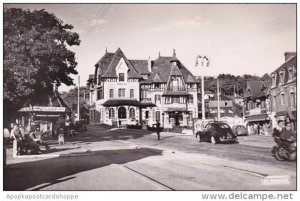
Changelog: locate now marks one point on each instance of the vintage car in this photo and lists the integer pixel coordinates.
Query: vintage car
(239, 130)
(216, 132)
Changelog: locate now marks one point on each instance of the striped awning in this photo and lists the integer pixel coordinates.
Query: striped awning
(260, 117)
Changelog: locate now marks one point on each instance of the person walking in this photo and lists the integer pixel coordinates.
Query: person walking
(158, 130)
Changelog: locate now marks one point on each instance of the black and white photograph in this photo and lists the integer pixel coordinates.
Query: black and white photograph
(150, 97)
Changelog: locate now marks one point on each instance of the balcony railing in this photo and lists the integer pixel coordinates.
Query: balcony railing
(177, 88)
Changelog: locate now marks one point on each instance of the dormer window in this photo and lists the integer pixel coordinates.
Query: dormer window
(281, 77)
(291, 73)
(121, 77)
(274, 79)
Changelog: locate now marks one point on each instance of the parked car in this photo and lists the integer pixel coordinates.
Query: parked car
(239, 130)
(216, 132)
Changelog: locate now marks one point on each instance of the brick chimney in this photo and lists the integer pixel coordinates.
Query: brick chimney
(289, 55)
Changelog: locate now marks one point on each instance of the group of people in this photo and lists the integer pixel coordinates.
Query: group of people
(260, 129)
(26, 141)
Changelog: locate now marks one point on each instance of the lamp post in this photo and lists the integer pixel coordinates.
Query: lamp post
(78, 105)
(204, 61)
(218, 98)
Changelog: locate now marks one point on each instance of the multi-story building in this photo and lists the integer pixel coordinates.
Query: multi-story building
(132, 91)
(283, 90)
(226, 106)
(257, 106)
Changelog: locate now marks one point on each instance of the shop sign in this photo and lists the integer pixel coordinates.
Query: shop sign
(48, 109)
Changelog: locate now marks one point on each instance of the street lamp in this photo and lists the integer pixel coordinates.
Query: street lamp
(218, 96)
(204, 61)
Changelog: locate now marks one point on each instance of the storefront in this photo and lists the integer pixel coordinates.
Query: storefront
(45, 118)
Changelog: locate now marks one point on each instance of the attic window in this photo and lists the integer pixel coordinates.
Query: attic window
(121, 77)
(281, 77)
(273, 79)
(291, 73)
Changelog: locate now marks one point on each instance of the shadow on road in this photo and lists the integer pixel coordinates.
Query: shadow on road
(22, 176)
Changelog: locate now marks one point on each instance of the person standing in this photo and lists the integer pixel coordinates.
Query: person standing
(17, 137)
(158, 130)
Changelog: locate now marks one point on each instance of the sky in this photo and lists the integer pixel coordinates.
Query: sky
(237, 38)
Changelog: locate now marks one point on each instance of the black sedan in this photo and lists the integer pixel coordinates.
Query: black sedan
(216, 132)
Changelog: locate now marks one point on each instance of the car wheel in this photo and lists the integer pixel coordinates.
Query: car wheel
(198, 138)
(213, 140)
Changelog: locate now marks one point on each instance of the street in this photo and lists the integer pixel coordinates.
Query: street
(114, 159)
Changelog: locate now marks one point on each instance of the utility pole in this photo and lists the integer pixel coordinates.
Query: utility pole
(202, 60)
(218, 97)
(78, 105)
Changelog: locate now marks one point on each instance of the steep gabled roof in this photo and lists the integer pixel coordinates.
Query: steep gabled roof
(103, 63)
(157, 78)
(140, 65)
(161, 68)
(175, 71)
(257, 88)
(108, 63)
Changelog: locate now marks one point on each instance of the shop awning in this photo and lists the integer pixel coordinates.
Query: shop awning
(253, 118)
(176, 109)
(42, 109)
(121, 102)
(147, 104)
(292, 115)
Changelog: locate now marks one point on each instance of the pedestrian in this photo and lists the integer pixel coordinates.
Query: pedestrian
(158, 130)
(17, 137)
(255, 128)
(120, 123)
(61, 136)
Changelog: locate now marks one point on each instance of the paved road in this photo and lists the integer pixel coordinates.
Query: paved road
(135, 160)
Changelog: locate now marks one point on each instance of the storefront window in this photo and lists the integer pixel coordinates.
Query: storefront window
(132, 113)
(111, 113)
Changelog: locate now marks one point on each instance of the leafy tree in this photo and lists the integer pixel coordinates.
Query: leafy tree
(229, 83)
(71, 98)
(36, 56)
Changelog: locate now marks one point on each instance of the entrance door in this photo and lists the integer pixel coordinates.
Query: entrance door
(122, 113)
(176, 117)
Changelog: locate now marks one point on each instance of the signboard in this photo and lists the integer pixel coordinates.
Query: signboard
(255, 111)
(43, 109)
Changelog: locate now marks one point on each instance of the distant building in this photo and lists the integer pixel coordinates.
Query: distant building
(239, 100)
(283, 90)
(226, 106)
(132, 91)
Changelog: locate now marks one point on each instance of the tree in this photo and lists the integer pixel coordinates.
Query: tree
(36, 56)
(70, 98)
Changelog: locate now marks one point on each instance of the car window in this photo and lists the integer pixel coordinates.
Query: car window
(207, 126)
(222, 126)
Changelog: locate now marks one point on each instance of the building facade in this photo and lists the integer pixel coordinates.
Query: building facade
(257, 107)
(284, 90)
(134, 91)
(226, 106)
